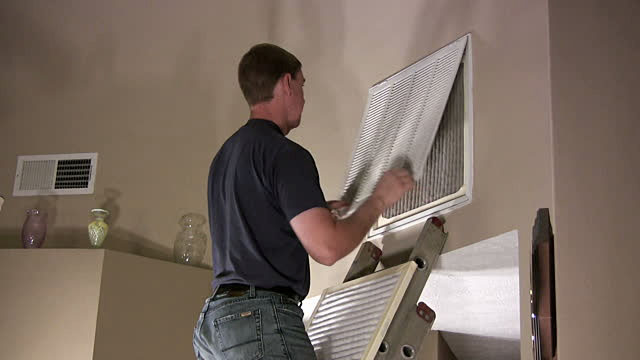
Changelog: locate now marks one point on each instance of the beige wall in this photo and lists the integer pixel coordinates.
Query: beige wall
(151, 87)
(595, 77)
(49, 303)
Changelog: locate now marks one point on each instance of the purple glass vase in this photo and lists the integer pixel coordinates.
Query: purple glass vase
(34, 229)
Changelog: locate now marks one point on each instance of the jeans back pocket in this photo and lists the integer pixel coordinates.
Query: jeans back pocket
(240, 335)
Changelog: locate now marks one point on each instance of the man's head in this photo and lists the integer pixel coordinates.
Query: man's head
(261, 68)
(267, 71)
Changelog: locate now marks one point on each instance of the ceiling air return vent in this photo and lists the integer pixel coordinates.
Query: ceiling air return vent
(419, 118)
(61, 174)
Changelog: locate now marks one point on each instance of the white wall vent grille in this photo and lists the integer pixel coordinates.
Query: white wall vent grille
(351, 319)
(419, 118)
(61, 174)
(443, 173)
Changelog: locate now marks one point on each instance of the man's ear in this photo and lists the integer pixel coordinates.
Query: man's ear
(286, 83)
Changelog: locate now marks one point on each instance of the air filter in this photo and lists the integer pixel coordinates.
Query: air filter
(351, 319)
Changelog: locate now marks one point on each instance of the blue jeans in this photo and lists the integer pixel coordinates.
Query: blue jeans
(259, 325)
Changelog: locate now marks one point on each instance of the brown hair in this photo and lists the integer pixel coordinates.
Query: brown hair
(261, 68)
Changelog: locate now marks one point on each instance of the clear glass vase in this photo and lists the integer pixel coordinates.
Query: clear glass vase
(98, 229)
(34, 230)
(191, 241)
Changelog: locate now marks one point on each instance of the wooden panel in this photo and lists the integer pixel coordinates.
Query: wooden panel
(148, 308)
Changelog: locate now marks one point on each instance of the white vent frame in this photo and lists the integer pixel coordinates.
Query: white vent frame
(464, 195)
(50, 189)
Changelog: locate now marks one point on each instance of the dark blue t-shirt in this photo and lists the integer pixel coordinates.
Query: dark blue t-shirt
(258, 182)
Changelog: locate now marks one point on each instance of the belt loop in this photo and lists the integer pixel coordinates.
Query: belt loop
(252, 291)
(215, 290)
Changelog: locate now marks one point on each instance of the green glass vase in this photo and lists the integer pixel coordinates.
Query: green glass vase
(98, 229)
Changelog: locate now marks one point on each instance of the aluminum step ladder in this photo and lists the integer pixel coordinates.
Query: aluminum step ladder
(376, 315)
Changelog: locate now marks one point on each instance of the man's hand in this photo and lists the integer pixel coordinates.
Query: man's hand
(337, 207)
(328, 239)
(392, 186)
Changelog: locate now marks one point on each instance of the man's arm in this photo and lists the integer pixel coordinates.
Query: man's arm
(328, 240)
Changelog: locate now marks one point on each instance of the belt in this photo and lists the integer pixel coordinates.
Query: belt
(235, 290)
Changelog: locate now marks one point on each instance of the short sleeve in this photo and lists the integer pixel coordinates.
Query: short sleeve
(297, 182)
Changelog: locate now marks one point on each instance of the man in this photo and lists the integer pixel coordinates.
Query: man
(268, 215)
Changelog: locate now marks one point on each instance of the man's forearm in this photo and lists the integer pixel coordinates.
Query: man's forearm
(328, 240)
(351, 230)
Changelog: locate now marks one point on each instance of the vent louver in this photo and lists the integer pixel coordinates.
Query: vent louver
(418, 118)
(61, 174)
(73, 174)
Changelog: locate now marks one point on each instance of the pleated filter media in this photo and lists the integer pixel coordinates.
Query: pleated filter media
(350, 320)
(414, 119)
